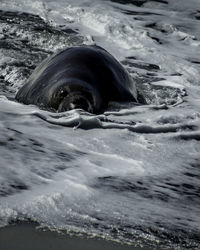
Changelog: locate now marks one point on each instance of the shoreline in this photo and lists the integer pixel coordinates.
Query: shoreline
(25, 236)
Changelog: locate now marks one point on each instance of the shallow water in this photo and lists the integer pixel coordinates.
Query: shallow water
(131, 174)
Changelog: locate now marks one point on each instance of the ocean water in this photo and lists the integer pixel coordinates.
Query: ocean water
(131, 174)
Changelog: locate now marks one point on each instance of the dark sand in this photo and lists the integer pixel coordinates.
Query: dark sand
(25, 236)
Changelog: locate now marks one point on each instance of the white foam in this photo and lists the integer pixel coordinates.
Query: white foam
(71, 169)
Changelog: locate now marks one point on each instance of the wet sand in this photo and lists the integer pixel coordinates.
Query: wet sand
(25, 236)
